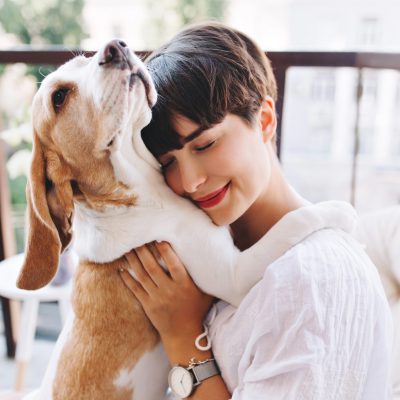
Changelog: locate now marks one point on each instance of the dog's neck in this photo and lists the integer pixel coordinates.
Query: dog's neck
(104, 235)
(136, 167)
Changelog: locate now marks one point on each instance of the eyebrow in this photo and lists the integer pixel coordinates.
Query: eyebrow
(196, 133)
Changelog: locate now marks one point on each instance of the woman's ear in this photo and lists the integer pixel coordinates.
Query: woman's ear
(268, 120)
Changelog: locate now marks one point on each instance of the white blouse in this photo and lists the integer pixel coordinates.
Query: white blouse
(317, 326)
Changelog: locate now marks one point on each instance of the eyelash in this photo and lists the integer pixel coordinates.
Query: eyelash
(208, 145)
(165, 166)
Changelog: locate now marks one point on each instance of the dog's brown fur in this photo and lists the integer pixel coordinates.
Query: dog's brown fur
(63, 170)
(97, 327)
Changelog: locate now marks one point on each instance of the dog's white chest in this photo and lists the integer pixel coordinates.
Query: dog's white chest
(148, 377)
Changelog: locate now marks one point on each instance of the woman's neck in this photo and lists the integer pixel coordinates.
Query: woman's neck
(276, 201)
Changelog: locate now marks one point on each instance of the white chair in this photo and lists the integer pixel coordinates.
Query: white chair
(9, 270)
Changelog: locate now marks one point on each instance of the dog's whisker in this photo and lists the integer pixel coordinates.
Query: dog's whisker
(107, 94)
(114, 88)
(75, 52)
(110, 105)
(43, 74)
(71, 50)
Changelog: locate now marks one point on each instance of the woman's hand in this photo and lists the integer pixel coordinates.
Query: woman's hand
(174, 304)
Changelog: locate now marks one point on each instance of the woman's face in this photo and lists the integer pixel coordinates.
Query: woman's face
(224, 170)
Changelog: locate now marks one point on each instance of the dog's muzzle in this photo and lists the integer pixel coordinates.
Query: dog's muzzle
(116, 54)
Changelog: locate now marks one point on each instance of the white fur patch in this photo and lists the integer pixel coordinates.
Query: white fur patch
(148, 378)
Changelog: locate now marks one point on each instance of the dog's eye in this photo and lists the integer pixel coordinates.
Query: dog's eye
(59, 97)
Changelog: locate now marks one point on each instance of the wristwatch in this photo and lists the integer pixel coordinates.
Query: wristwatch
(182, 381)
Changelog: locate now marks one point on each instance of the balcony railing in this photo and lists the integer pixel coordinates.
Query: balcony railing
(281, 62)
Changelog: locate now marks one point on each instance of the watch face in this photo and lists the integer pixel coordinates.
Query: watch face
(180, 381)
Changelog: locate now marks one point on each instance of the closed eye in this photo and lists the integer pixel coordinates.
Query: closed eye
(205, 147)
(164, 166)
(58, 98)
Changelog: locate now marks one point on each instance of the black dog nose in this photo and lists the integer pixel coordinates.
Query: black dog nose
(113, 53)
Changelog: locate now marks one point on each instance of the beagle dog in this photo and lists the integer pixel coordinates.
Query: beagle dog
(92, 175)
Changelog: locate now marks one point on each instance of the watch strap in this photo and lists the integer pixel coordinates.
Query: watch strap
(204, 370)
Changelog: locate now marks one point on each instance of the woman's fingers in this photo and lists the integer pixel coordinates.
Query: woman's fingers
(139, 272)
(174, 264)
(144, 262)
(148, 259)
(134, 286)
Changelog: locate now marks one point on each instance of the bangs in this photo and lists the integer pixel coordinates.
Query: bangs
(159, 136)
(181, 91)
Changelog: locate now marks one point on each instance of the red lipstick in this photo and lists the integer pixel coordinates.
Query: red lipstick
(212, 199)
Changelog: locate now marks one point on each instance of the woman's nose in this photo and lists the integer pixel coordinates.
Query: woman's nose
(192, 177)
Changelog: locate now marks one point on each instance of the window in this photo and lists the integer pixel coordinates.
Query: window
(367, 114)
(396, 126)
(369, 33)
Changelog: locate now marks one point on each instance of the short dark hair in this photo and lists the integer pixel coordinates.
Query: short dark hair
(205, 72)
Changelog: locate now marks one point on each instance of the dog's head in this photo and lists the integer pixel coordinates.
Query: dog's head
(78, 115)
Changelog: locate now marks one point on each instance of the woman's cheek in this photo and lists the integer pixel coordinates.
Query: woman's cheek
(171, 177)
(225, 163)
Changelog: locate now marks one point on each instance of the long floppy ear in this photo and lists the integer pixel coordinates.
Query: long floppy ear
(49, 224)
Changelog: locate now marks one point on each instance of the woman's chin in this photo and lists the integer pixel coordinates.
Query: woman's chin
(220, 218)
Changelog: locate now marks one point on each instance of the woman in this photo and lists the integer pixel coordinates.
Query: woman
(317, 326)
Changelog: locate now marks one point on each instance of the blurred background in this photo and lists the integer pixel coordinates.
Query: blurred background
(320, 103)
(340, 136)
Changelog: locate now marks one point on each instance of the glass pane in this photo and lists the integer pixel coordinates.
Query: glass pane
(318, 135)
